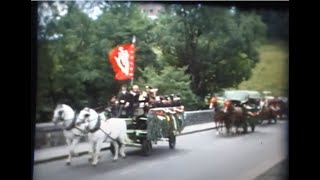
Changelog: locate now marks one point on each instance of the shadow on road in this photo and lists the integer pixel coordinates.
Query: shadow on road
(266, 124)
(241, 134)
(134, 157)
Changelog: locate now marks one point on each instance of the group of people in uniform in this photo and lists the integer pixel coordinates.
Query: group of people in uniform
(136, 102)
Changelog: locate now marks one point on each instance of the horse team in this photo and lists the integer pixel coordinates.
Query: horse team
(96, 126)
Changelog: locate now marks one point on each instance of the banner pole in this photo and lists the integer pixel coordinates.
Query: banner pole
(133, 42)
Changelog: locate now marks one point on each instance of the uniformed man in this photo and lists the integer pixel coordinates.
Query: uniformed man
(124, 99)
(177, 101)
(113, 106)
(134, 103)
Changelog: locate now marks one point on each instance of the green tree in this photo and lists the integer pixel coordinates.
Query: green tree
(219, 47)
(73, 49)
(277, 21)
(170, 80)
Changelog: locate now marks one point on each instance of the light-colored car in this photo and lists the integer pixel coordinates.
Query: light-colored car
(236, 95)
(254, 94)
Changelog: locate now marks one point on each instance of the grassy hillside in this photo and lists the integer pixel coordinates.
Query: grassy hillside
(271, 73)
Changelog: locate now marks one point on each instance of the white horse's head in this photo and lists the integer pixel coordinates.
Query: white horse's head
(88, 117)
(83, 115)
(62, 112)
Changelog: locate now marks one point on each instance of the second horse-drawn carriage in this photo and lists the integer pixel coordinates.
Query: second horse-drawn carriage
(236, 109)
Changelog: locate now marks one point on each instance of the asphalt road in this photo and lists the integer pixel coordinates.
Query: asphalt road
(199, 156)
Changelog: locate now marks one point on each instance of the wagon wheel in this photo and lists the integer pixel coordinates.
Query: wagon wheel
(112, 150)
(146, 147)
(172, 141)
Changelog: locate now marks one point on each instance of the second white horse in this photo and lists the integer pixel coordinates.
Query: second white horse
(113, 130)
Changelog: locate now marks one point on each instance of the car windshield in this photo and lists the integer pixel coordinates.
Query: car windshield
(254, 95)
(236, 95)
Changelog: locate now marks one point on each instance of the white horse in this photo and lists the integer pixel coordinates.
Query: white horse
(72, 129)
(113, 130)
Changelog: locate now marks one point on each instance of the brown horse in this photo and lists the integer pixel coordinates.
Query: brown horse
(218, 115)
(228, 115)
(237, 117)
(283, 109)
(270, 111)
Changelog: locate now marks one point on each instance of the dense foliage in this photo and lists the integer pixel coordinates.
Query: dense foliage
(190, 50)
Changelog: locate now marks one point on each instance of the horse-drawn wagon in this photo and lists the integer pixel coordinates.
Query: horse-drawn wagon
(159, 124)
(237, 110)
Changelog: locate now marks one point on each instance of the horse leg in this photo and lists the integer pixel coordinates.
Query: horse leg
(70, 149)
(235, 123)
(116, 150)
(244, 126)
(237, 130)
(92, 150)
(269, 118)
(228, 127)
(260, 116)
(97, 152)
(122, 147)
(276, 117)
(74, 143)
(280, 113)
(217, 126)
(220, 127)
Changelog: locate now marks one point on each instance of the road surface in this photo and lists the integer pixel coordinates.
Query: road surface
(198, 156)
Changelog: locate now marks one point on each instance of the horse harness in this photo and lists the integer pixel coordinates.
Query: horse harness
(97, 127)
(73, 125)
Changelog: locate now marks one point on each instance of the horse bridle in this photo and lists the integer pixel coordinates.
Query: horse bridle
(82, 121)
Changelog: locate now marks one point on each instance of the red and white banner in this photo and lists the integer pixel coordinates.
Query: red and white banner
(122, 61)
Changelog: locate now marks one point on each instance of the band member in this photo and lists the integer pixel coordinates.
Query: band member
(134, 104)
(124, 99)
(177, 101)
(113, 106)
(151, 92)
